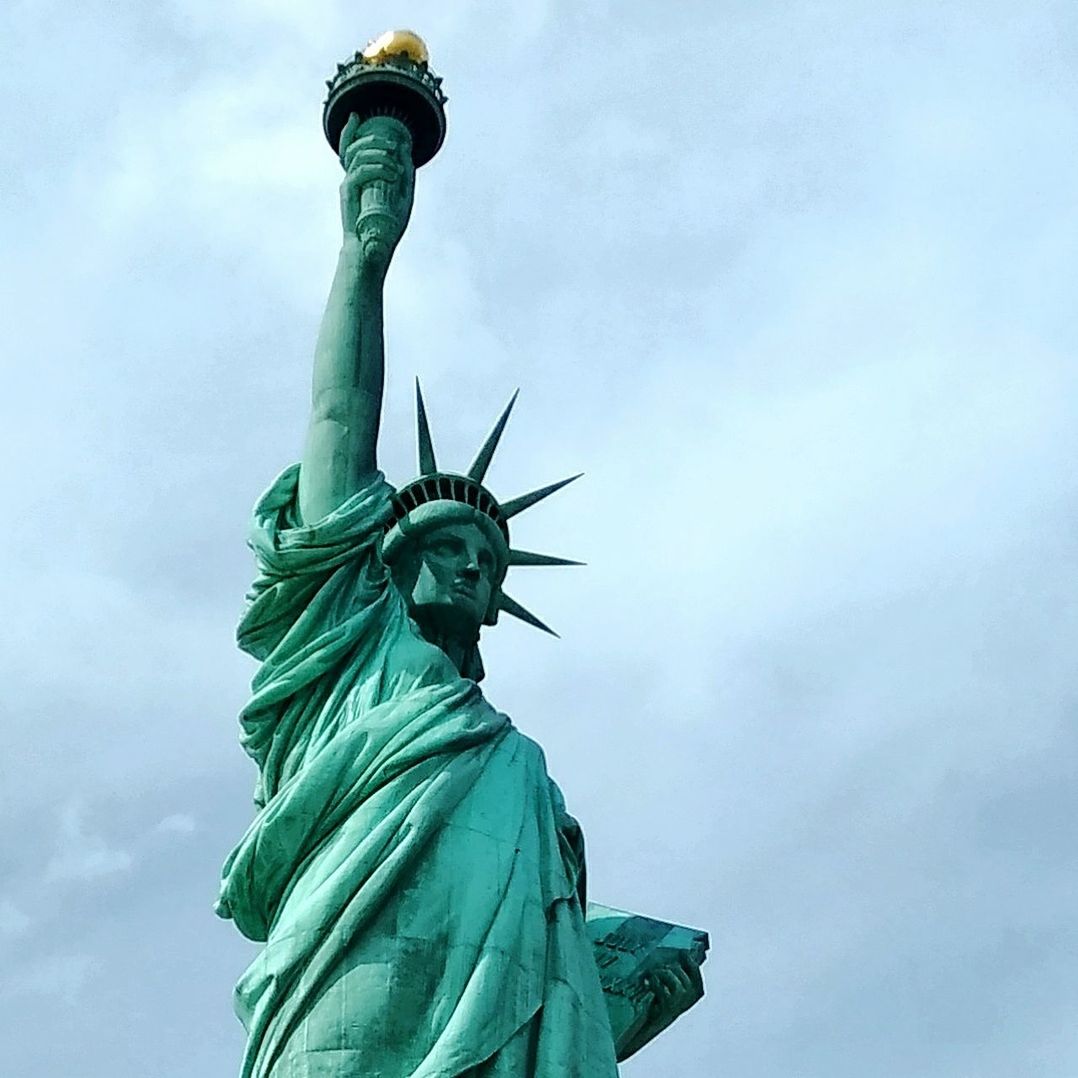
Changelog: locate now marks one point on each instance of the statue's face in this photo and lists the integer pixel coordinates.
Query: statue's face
(457, 570)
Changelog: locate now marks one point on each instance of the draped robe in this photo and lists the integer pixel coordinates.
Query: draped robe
(412, 870)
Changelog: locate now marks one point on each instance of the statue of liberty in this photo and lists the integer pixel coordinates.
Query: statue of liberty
(412, 870)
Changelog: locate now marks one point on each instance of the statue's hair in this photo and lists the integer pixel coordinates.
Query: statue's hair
(404, 569)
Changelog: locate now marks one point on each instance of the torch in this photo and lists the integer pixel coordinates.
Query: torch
(391, 88)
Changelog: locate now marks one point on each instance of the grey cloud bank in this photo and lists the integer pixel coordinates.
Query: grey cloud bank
(800, 273)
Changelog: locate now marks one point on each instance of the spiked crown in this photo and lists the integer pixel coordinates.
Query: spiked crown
(437, 497)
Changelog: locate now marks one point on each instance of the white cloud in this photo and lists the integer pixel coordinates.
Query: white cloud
(180, 823)
(83, 856)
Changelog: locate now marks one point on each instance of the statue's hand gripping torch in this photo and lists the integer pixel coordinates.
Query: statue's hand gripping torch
(385, 98)
(378, 185)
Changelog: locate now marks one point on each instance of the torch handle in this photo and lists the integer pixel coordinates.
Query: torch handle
(375, 220)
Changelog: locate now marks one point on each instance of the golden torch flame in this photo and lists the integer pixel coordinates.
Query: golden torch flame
(397, 43)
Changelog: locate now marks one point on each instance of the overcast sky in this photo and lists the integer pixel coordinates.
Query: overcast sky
(791, 282)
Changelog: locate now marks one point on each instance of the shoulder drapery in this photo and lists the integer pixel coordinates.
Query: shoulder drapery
(320, 615)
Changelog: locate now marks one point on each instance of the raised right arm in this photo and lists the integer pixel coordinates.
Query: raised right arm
(340, 452)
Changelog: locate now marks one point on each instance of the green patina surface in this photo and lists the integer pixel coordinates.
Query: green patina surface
(412, 870)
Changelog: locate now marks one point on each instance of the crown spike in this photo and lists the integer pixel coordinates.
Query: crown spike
(526, 557)
(427, 464)
(483, 458)
(526, 501)
(511, 606)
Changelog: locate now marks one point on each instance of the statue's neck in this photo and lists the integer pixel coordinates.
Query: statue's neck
(442, 628)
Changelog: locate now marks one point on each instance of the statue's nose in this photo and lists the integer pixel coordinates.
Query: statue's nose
(470, 572)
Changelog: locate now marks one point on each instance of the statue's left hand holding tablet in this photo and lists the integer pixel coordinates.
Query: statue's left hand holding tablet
(675, 986)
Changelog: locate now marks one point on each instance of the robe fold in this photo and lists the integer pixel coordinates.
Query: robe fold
(412, 870)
